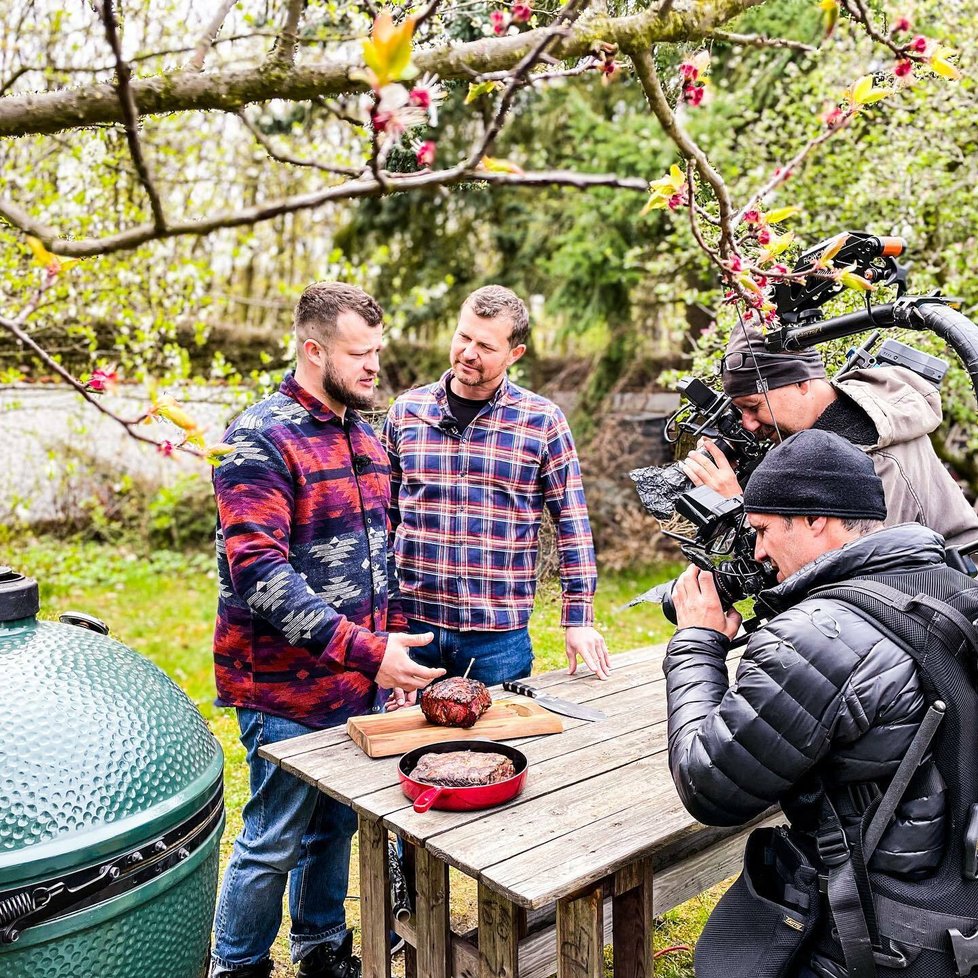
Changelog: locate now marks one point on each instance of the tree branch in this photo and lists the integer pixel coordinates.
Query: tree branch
(207, 38)
(230, 90)
(280, 157)
(759, 41)
(130, 114)
(649, 77)
(352, 190)
(283, 52)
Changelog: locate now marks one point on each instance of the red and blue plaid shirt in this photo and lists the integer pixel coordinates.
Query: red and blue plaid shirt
(467, 509)
(305, 574)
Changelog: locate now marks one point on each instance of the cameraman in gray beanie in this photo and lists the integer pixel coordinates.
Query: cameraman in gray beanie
(888, 412)
(825, 704)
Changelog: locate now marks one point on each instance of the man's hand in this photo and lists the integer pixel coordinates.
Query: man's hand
(698, 604)
(586, 642)
(399, 698)
(398, 670)
(718, 474)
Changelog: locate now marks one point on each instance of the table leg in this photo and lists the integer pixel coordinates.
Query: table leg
(632, 921)
(580, 936)
(375, 899)
(409, 862)
(499, 937)
(432, 916)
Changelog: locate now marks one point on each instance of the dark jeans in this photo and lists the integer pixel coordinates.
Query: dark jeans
(292, 834)
(495, 656)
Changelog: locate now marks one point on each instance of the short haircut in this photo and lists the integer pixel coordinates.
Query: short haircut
(320, 306)
(493, 300)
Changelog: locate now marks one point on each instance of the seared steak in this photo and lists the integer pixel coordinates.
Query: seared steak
(463, 768)
(455, 702)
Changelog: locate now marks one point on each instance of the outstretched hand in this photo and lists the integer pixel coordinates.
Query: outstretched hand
(398, 670)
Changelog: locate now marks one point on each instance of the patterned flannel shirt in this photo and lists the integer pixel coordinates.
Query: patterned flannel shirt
(467, 509)
(305, 573)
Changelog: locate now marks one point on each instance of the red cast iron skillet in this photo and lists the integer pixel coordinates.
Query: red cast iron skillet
(467, 799)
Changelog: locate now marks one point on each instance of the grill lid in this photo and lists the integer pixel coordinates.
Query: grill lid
(99, 750)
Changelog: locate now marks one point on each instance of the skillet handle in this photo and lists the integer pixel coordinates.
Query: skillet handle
(426, 799)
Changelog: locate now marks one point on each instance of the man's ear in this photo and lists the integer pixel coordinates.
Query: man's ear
(314, 352)
(515, 353)
(819, 524)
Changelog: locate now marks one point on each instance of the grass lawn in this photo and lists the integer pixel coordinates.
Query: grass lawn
(162, 604)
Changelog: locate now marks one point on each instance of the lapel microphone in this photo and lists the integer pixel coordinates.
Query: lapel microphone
(448, 423)
(361, 463)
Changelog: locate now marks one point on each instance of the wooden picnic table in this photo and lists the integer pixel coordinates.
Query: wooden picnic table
(598, 842)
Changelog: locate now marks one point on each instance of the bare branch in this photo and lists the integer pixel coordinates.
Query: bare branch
(426, 14)
(231, 89)
(649, 77)
(283, 52)
(352, 190)
(759, 41)
(23, 70)
(130, 114)
(207, 38)
(280, 157)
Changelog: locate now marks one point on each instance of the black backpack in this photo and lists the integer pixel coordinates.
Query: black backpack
(902, 927)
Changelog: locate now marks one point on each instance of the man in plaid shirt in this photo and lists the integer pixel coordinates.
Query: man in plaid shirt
(474, 461)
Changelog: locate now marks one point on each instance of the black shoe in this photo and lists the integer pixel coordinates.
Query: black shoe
(327, 961)
(262, 969)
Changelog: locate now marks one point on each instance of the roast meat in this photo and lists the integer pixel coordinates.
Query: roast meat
(455, 702)
(463, 768)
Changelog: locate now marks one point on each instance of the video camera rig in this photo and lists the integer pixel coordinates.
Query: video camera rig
(722, 540)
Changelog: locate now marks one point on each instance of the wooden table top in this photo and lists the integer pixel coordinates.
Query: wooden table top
(598, 796)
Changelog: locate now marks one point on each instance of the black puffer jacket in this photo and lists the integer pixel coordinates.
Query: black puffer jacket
(819, 692)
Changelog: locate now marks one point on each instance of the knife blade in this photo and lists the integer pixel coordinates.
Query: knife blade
(566, 708)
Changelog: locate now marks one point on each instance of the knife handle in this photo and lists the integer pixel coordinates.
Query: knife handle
(519, 688)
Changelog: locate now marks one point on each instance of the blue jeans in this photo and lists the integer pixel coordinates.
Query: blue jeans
(495, 656)
(292, 834)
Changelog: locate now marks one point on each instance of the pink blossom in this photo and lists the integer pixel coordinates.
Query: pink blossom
(165, 448)
(903, 68)
(688, 71)
(752, 216)
(425, 153)
(779, 269)
(521, 13)
(102, 379)
(919, 44)
(420, 97)
(676, 201)
(763, 236)
(771, 316)
(901, 25)
(498, 20)
(735, 264)
(693, 94)
(834, 118)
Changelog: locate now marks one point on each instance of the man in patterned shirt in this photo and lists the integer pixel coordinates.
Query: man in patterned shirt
(306, 623)
(474, 461)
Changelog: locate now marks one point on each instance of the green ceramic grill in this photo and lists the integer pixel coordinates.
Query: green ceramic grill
(111, 805)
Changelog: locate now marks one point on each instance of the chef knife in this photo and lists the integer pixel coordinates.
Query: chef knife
(565, 707)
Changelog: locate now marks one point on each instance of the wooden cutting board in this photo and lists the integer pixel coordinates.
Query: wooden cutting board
(384, 734)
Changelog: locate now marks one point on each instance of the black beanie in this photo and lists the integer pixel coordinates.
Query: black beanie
(816, 473)
(750, 369)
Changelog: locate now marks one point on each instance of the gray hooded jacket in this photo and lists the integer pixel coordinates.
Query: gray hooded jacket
(904, 408)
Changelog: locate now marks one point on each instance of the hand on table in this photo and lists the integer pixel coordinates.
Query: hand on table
(586, 642)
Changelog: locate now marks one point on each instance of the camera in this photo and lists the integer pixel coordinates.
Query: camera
(702, 412)
(723, 544)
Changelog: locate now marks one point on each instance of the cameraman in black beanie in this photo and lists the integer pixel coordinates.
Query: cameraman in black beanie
(888, 412)
(825, 702)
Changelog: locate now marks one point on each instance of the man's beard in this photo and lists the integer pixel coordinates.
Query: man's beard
(335, 388)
